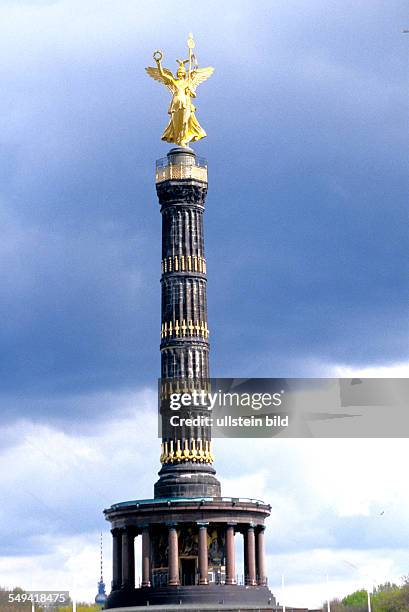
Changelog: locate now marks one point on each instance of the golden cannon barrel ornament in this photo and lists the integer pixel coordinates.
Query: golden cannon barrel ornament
(183, 127)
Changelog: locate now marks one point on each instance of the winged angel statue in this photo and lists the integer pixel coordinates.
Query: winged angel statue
(183, 127)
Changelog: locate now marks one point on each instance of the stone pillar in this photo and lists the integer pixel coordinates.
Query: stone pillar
(146, 557)
(261, 560)
(230, 556)
(173, 560)
(203, 554)
(251, 556)
(184, 331)
(245, 556)
(128, 559)
(116, 559)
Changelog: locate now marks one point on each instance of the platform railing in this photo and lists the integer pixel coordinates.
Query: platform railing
(184, 500)
(194, 168)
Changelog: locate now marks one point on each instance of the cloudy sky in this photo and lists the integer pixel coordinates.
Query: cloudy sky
(306, 240)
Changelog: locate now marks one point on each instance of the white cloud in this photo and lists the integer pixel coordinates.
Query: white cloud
(317, 368)
(334, 503)
(388, 370)
(58, 484)
(306, 573)
(66, 563)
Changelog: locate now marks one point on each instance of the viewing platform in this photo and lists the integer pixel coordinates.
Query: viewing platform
(181, 163)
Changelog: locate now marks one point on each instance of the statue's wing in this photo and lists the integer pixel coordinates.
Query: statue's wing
(199, 75)
(155, 74)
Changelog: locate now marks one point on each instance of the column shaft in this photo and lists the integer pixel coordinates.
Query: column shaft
(251, 556)
(173, 560)
(128, 560)
(261, 560)
(116, 560)
(146, 558)
(203, 555)
(230, 556)
(245, 557)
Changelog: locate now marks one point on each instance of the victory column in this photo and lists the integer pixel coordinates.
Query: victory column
(188, 529)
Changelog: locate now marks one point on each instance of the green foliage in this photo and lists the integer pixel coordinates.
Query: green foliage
(358, 599)
(386, 597)
(393, 599)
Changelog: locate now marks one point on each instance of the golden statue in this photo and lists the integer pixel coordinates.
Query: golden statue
(183, 127)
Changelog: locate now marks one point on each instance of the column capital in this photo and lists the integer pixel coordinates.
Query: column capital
(116, 531)
(202, 524)
(130, 530)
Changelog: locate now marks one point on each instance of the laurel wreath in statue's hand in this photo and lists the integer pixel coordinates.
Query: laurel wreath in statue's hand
(158, 55)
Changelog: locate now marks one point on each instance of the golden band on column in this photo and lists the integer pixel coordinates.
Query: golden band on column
(183, 329)
(175, 451)
(182, 263)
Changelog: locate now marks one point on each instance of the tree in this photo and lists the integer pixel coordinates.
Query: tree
(357, 601)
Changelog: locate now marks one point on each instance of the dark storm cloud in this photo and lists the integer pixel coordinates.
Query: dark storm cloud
(305, 224)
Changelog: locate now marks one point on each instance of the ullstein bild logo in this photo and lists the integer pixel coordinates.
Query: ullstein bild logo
(229, 421)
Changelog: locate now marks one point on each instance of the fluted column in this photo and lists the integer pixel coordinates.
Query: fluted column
(251, 556)
(261, 558)
(203, 555)
(116, 559)
(146, 558)
(230, 556)
(128, 560)
(173, 557)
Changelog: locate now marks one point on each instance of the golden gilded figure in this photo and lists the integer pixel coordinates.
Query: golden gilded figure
(183, 127)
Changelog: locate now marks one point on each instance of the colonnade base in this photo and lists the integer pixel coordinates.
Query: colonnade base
(226, 595)
(188, 552)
